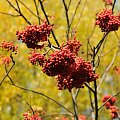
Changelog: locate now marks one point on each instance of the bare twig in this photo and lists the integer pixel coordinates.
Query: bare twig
(29, 10)
(10, 14)
(80, 14)
(39, 93)
(107, 69)
(8, 75)
(42, 7)
(100, 43)
(89, 87)
(37, 11)
(74, 107)
(108, 51)
(69, 4)
(30, 108)
(75, 12)
(67, 18)
(8, 70)
(19, 11)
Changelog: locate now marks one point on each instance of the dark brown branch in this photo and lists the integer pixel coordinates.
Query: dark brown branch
(29, 9)
(39, 93)
(8, 70)
(113, 6)
(42, 7)
(95, 87)
(19, 11)
(8, 75)
(67, 18)
(30, 108)
(89, 87)
(97, 48)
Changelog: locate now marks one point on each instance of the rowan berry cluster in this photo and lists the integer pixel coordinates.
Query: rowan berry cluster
(108, 2)
(107, 21)
(78, 74)
(9, 46)
(70, 70)
(110, 105)
(27, 116)
(6, 60)
(36, 58)
(59, 62)
(33, 34)
(110, 102)
(73, 45)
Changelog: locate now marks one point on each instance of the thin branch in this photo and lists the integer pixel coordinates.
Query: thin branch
(108, 51)
(39, 93)
(13, 6)
(95, 87)
(80, 14)
(108, 100)
(19, 11)
(69, 4)
(10, 14)
(75, 13)
(37, 11)
(113, 6)
(17, 5)
(89, 87)
(42, 7)
(107, 69)
(75, 107)
(97, 48)
(8, 70)
(67, 18)
(8, 75)
(29, 10)
(30, 108)
(91, 102)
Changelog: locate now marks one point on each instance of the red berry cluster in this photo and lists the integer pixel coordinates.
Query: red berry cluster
(27, 116)
(36, 58)
(108, 2)
(73, 45)
(71, 71)
(110, 105)
(110, 102)
(107, 21)
(114, 111)
(33, 34)
(6, 60)
(78, 73)
(9, 46)
(59, 62)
